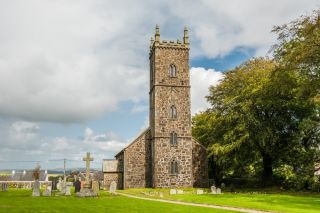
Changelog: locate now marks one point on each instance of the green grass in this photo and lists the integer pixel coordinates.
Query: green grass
(20, 200)
(280, 202)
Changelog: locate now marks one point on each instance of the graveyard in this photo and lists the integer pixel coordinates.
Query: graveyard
(20, 200)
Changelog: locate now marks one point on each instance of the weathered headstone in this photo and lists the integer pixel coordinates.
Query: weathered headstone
(95, 186)
(47, 191)
(113, 187)
(213, 189)
(223, 185)
(199, 191)
(67, 191)
(59, 184)
(173, 192)
(179, 192)
(161, 194)
(218, 191)
(77, 186)
(86, 191)
(36, 189)
(4, 187)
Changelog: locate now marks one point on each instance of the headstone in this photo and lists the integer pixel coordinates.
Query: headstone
(47, 191)
(213, 189)
(4, 187)
(36, 189)
(199, 191)
(179, 192)
(218, 191)
(223, 185)
(161, 194)
(113, 187)
(95, 186)
(63, 188)
(67, 191)
(86, 191)
(173, 192)
(59, 184)
(77, 186)
(54, 184)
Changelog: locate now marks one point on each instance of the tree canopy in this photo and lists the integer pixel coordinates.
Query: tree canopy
(264, 114)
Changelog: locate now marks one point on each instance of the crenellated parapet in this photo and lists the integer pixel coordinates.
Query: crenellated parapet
(157, 42)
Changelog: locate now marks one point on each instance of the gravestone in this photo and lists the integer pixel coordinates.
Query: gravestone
(173, 192)
(36, 189)
(213, 189)
(161, 194)
(218, 191)
(47, 191)
(67, 190)
(113, 187)
(223, 185)
(59, 184)
(199, 191)
(4, 187)
(86, 191)
(54, 184)
(95, 186)
(77, 186)
(179, 192)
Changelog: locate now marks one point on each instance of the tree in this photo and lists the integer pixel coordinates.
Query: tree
(255, 115)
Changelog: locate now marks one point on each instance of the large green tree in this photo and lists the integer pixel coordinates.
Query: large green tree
(268, 110)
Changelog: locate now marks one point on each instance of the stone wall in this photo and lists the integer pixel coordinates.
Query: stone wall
(137, 160)
(115, 176)
(200, 165)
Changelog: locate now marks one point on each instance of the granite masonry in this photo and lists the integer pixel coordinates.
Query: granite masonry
(165, 155)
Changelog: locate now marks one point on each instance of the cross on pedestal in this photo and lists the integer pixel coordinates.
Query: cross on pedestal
(87, 159)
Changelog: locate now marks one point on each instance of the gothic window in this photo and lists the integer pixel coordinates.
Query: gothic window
(172, 70)
(174, 167)
(173, 139)
(173, 112)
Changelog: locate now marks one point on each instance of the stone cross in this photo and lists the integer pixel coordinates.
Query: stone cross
(87, 159)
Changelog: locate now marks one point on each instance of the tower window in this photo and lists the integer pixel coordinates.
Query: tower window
(173, 112)
(174, 167)
(172, 71)
(173, 139)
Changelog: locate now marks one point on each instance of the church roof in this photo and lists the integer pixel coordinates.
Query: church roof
(141, 134)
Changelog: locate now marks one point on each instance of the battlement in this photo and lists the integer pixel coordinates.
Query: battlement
(156, 42)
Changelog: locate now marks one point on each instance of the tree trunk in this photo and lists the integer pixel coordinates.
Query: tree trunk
(267, 175)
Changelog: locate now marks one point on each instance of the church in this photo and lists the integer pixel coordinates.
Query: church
(164, 155)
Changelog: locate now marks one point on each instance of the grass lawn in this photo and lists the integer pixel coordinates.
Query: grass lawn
(292, 203)
(20, 200)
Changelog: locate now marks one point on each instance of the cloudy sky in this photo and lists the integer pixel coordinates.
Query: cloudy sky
(74, 74)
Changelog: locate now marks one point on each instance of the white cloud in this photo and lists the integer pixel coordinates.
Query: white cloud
(201, 79)
(71, 61)
(23, 141)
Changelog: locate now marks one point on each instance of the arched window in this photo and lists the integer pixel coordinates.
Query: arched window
(174, 167)
(173, 112)
(173, 139)
(172, 70)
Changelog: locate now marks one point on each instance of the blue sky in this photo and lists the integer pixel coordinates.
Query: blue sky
(74, 74)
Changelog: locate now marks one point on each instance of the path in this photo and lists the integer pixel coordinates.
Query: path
(196, 204)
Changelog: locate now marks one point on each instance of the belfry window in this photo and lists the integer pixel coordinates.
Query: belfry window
(174, 167)
(173, 139)
(172, 71)
(173, 112)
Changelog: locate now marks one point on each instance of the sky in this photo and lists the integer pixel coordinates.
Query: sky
(74, 74)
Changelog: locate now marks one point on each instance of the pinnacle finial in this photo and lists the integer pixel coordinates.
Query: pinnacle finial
(157, 35)
(186, 36)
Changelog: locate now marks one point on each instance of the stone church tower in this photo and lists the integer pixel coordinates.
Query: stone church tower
(170, 112)
(165, 155)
